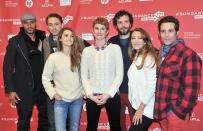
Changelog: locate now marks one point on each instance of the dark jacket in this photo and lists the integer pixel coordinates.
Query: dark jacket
(17, 71)
(126, 62)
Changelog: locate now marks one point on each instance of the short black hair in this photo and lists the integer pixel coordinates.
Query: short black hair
(54, 15)
(120, 14)
(171, 19)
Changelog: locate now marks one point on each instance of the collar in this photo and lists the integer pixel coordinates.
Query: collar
(101, 48)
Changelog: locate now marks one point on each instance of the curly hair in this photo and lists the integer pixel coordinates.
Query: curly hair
(120, 14)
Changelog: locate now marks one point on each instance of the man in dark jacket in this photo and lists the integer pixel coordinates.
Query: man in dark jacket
(123, 22)
(22, 70)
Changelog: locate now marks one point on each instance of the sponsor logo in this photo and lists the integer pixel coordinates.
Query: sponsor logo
(47, 4)
(11, 4)
(104, 126)
(200, 96)
(191, 35)
(150, 17)
(196, 14)
(10, 119)
(109, 17)
(85, 1)
(65, 2)
(87, 36)
(67, 19)
(29, 3)
(124, 1)
(10, 36)
(15, 21)
(194, 118)
(104, 2)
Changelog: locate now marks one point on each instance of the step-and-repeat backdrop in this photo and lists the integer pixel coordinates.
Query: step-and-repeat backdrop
(79, 14)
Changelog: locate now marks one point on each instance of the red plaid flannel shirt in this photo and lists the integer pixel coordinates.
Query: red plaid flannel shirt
(178, 82)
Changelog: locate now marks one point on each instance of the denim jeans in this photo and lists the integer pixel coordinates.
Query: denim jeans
(61, 109)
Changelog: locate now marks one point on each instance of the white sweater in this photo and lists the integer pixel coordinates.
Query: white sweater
(67, 83)
(102, 71)
(142, 85)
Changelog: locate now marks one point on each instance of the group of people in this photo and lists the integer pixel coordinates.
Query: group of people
(57, 72)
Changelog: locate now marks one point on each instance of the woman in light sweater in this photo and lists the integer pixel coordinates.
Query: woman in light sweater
(102, 74)
(142, 79)
(63, 68)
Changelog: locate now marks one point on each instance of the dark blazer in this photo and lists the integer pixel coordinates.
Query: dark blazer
(17, 71)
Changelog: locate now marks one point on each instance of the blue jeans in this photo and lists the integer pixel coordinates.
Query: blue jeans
(61, 108)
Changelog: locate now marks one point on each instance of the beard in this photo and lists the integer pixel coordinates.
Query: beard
(124, 32)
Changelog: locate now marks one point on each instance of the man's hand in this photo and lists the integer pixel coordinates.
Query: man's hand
(14, 98)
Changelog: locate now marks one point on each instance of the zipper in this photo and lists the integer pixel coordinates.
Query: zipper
(28, 64)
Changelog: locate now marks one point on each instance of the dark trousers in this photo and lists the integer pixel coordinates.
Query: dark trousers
(25, 115)
(146, 122)
(112, 106)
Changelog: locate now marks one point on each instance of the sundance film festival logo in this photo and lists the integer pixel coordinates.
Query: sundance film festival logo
(29, 3)
(150, 17)
(197, 14)
(109, 17)
(104, 2)
(47, 4)
(67, 19)
(65, 2)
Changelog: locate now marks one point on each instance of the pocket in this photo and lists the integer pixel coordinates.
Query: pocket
(172, 70)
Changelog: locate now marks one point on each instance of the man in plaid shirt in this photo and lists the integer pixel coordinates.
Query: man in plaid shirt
(178, 78)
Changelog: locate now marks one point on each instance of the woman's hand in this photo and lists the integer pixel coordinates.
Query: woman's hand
(103, 98)
(137, 118)
(57, 97)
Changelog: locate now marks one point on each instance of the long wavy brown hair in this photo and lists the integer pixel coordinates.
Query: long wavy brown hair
(76, 49)
(148, 48)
